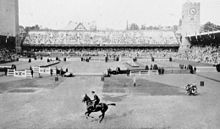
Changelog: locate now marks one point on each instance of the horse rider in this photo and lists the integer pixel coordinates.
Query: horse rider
(191, 88)
(96, 99)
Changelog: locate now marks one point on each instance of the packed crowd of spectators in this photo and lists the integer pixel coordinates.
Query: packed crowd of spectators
(203, 54)
(123, 52)
(207, 54)
(7, 55)
(101, 37)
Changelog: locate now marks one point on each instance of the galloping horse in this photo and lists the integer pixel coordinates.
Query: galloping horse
(100, 107)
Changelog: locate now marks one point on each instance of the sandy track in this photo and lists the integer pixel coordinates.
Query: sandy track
(61, 107)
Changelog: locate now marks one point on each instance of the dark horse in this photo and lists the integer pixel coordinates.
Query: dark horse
(100, 107)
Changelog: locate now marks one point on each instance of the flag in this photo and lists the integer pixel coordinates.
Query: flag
(196, 36)
(7, 37)
(190, 38)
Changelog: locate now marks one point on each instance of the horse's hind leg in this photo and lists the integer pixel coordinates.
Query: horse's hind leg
(103, 115)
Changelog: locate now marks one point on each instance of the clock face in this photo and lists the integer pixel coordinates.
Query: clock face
(192, 11)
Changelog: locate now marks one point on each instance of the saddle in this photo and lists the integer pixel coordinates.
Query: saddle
(98, 105)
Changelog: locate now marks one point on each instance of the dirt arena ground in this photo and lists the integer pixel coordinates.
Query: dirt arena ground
(157, 102)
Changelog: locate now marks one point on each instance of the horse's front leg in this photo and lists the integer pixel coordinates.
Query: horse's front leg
(86, 114)
(89, 114)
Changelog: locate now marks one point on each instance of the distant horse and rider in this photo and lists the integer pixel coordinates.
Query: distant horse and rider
(191, 89)
(95, 106)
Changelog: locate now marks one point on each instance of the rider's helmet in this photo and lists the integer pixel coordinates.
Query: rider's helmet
(93, 92)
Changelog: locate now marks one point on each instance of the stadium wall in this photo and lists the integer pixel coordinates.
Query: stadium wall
(9, 19)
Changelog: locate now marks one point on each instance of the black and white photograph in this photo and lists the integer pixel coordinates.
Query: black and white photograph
(109, 64)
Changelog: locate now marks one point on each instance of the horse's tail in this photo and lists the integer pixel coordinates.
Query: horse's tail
(111, 104)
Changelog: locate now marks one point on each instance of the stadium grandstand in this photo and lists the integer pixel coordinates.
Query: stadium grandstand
(141, 43)
(82, 40)
(72, 38)
(204, 47)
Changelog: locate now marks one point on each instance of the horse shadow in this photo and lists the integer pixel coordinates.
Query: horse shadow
(114, 116)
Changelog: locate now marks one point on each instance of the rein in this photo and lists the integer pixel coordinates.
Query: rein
(88, 101)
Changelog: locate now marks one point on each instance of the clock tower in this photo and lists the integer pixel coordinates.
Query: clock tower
(190, 21)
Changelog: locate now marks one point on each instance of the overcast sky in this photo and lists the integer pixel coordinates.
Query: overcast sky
(110, 13)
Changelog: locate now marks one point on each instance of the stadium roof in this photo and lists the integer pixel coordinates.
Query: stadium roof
(106, 45)
(80, 26)
(206, 38)
(205, 33)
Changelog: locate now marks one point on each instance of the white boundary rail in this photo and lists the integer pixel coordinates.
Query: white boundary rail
(27, 73)
(144, 72)
(10, 72)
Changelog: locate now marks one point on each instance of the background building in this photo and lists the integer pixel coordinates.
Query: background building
(190, 23)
